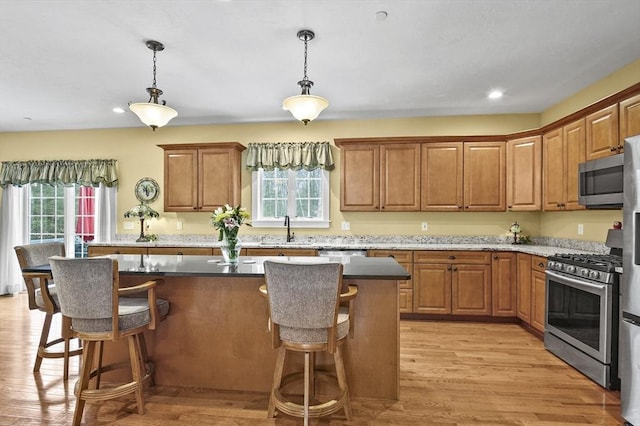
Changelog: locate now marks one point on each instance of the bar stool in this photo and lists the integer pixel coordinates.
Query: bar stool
(89, 294)
(42, 295)
(306, 315)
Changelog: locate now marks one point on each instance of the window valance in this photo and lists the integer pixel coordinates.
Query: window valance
(295, 156)
(66, 172)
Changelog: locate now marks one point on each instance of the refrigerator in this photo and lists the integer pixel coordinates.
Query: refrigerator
(630, 286)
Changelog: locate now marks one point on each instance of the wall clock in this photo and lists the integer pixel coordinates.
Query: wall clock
(147, 190)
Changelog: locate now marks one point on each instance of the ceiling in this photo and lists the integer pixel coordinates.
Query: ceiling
(65, 64)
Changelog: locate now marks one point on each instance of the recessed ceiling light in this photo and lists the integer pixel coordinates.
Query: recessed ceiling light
(495, 94)
(118, 110)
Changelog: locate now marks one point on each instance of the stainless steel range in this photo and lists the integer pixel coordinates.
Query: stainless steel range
(582, 313)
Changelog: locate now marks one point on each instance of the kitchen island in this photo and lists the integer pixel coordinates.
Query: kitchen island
(215, 335)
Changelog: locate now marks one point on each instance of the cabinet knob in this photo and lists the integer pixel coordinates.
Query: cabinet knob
(466, 207)
(449, 268)
(455, 269)
(509, 206)
(280, 254)
(452, 257)
(495, 256)
(460, 207)
(613, 148)
(391, 256)
(180, 253)
(195, 208)
(541, 265)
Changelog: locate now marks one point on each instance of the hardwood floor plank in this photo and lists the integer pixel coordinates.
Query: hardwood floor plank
(451, 373)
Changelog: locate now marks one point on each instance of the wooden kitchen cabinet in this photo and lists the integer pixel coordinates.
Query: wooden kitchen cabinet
(106, 250)
(404, 258)
(201, 177)
(503, 284)
(602, 133)
(484, 176)
(538, 292)
(452, 282)
(629, 125)
(467, 176)
(442, 176)
(523, 286)
(563, 150)
(524, 174)
(531, 290)
(380, 177)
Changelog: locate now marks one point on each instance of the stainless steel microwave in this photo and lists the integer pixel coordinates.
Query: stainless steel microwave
(601, 182)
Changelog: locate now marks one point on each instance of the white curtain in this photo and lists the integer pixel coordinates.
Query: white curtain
(14, 230)
(105, 213)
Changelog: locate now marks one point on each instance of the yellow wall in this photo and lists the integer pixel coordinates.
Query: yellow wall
(138, 156)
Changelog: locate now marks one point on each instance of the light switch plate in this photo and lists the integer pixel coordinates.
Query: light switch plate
(346, 226)
(580, 229)
(128, 225)
(425, 226)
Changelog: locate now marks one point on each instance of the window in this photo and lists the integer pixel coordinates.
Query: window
(59, 213)
(300, 194)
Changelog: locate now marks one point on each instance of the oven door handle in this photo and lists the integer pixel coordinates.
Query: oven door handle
(576, 283)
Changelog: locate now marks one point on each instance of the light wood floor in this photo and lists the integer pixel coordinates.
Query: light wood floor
(451, 374)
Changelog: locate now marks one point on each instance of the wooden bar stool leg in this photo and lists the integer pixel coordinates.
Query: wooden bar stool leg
(136, 371)
(277, 380)
(44, 337)
(83, 381)
(307, 382)
(342, 381)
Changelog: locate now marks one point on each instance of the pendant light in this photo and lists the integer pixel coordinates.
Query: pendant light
(305, 107)
(152, 113)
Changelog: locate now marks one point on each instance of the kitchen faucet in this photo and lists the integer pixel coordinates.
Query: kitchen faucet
(290, 235)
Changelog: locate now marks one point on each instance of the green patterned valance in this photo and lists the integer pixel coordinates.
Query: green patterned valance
(66, 172)
(295, 156)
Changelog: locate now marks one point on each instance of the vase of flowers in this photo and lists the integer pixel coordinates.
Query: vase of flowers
(228, 220)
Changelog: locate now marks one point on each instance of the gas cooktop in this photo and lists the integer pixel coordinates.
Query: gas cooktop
(595, 267)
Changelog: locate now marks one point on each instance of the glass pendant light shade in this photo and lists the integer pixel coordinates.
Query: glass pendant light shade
(305, 107)
(153, 115)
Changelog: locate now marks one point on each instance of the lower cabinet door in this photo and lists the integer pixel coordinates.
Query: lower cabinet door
(471, 285)
(432, 288)
(538, 291)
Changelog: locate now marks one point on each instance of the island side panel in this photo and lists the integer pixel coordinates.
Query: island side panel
(216, 336)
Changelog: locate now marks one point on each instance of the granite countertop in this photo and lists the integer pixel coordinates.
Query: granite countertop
(367, 268)
(540, 246)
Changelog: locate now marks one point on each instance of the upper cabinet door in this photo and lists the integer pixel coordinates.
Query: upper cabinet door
(360, 178)
(574, 141)
(400, 177)
(602, 133)
(181, 180)
(484, 176)
(524, 174)
(629, 119)
(219, 177)
(442, 176)
(553, 170)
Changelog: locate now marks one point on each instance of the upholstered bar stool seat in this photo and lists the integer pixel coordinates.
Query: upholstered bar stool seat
(89, 294)
(42, 295)
(306, 314)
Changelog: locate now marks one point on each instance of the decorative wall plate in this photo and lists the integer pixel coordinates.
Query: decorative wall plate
(147, 190)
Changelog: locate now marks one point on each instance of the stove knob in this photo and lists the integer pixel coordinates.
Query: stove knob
(594, 275)
(558, 266)
(571, 269)
(584, 272)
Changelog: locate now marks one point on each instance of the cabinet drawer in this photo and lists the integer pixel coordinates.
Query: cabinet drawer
(473, 257)
(281, 252)
(538, 263)
(399, 255)
(406, 300)
(202, 251)
(105, 250)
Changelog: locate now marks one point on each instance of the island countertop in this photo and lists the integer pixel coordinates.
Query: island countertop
(248, 266)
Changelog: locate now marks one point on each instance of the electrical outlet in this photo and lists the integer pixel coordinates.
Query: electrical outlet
(425, 226)
(580, 229)
(128, 225)
(346, 226)
(179, 225)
